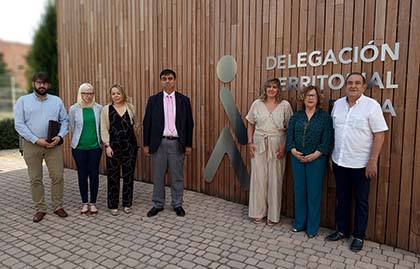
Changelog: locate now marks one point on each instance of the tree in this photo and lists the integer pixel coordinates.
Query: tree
(43, 54)
(3, 66)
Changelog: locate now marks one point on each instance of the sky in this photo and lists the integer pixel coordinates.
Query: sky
(20, 18)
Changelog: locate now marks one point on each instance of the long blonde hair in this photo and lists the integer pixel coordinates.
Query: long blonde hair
(80, 101)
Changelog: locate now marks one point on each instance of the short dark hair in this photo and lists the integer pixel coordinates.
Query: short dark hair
(42, 76)
(309, 88)
(166, 72)
(358, 74)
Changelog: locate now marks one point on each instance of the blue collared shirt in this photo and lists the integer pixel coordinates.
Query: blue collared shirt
(32, 115)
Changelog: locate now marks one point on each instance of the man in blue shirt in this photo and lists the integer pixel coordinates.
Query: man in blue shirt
(32, 114)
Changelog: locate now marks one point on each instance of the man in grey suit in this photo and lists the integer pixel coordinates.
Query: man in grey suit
(167, 136)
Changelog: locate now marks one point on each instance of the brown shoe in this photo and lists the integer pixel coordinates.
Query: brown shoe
(61, 212)
(39, 216)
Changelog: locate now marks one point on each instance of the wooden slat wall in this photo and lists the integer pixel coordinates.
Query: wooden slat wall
(131, 41)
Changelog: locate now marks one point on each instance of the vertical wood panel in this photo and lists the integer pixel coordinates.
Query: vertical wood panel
(130, 41)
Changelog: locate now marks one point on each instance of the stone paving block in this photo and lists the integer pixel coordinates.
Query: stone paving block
(21, 265)
(202, 261)
(89, 265)
(284, 264)
(214, 265)
(290, 258)
(153, 261)
(410, 257)
(407, 263)
(237, 257)
(335, 258)
(67, 265)
(260, 257)
(171, 266)
(57, 262)
(302, 255)
(338, 265)
(312, 265)
(313, 258)
(351, 255)
(10, 261)
(287, 251)
(391, 253)
(235, 264)
(300, 261)
(325, 261)
(266, 265)
(322, 249)
(49, 257)
(364, 265)
(393, 260)
(376, 256)
(350, 261)
(398, 266)
(211, 256)
(130, 262)
(322, 266)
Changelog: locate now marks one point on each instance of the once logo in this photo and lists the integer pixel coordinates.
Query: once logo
(226, 71)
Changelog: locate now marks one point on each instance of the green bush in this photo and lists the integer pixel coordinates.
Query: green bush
(9, 138)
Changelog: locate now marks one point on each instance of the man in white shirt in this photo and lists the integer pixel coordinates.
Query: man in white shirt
(359, 132)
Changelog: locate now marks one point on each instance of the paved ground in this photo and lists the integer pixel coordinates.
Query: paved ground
(214, 234)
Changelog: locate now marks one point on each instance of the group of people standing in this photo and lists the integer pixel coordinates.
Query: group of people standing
(167, 131)
(355, 131)
(356, 128)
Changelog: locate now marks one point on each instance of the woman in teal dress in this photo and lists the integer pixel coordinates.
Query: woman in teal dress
(309, 139)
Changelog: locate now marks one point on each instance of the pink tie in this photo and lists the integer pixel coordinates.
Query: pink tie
(170, 112)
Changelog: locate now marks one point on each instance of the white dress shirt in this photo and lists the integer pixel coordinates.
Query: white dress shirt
(353, 130)
(166, 131)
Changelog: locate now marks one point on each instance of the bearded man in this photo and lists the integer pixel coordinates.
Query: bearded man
(32, 115)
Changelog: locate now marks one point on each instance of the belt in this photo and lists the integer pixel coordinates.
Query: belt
(171, 137)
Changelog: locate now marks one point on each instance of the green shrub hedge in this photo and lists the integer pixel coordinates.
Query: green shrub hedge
(9, 138)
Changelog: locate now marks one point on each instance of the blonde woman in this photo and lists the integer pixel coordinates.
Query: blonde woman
(117, 131)
(84, 118)
(267, 124)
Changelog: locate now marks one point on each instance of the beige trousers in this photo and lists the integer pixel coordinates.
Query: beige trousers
(267, 173)
(34, 155)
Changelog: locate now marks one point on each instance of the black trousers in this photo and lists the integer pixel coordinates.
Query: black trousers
(124, 159)
(349, 180)
(87, 162)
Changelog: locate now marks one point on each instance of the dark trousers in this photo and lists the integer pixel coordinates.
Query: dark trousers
(308, 178)
(87, 162)
(349, 180)
(124, 159)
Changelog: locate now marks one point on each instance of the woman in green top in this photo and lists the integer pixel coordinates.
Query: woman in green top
(86, 146)
(309, 139)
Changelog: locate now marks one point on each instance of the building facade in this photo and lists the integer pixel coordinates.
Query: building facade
(130, 42)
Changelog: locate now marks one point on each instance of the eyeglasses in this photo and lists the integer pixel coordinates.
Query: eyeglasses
(39, 83)
(88, 93)
(310, 96)
(167, 78)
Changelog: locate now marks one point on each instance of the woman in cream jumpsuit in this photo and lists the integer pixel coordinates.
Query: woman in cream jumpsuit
(267, 124)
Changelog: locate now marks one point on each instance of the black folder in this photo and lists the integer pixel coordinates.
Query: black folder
(53, 130)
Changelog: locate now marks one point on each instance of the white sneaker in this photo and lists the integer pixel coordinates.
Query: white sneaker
(93, 209)
(114, 212)
(85, 209)
(127, 210)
